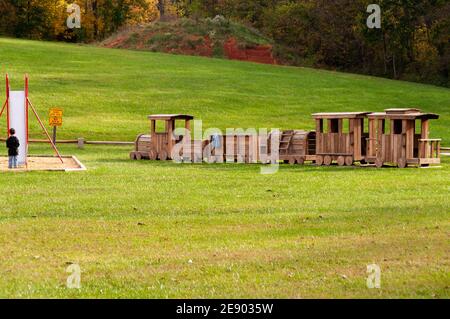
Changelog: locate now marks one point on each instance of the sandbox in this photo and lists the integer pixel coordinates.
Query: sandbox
(46, 163)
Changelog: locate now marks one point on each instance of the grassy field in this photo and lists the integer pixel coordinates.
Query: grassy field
(158, 230)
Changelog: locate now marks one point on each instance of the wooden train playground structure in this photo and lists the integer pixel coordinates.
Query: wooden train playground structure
(395, 137)
(17, 107)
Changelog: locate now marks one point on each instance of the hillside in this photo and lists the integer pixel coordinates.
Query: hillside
(218, 38)
(107, 93)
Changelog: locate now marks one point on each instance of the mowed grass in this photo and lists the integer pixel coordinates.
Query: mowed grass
(162, 230)
(134, 227)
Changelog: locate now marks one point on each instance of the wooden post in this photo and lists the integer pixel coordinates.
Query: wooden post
(187, 141)
(340, 126)
(153, 127)
(80, 142)
(425, 129)
(372, 136)
(404, 142)
(438, 151)
(169, 131)
(432, 145)
(351, 132)
(319, 132)
(380, 144)
(410, 132)
(392, 150)
(425, 135)
(356, 147)
(153, 134)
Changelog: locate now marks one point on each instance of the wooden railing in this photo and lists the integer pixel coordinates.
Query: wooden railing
(81, 142)
(429, 148)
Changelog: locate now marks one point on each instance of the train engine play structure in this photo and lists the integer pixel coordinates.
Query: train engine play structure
(159, 145)
(395, 137)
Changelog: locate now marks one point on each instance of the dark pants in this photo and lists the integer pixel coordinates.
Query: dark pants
(12, 162)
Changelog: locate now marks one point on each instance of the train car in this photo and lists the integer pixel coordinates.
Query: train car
(159, 145)
(235, 148)
(343, 140)
(395, 139)
(297, 146)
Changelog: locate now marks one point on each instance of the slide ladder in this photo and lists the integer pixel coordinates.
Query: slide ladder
(285, 142)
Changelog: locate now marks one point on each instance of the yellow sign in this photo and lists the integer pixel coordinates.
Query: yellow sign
(55, 117)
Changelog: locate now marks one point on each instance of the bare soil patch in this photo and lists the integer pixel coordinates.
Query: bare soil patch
(46, 163)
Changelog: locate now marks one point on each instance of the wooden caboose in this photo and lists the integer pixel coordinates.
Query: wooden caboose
(160, 143)
(401, 137)
(343, 139)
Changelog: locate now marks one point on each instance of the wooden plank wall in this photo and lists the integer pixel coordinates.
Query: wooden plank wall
(333, 143)
(160, 142)
(144, 143)
(298, 146)
(392, 148)
(241, 147)
(341, 143)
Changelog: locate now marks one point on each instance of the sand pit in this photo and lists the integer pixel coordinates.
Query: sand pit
(46, 163)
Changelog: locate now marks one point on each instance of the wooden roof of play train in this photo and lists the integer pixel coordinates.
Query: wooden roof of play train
(381, 138)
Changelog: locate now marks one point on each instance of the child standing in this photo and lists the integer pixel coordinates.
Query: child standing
(12, 143)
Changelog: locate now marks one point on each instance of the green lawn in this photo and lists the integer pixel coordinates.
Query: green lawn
(149, 229)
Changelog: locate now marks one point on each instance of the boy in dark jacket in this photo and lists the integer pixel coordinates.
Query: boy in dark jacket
(12, 143)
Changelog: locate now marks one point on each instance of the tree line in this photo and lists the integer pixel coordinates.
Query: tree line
(47, 19)
(413, 42)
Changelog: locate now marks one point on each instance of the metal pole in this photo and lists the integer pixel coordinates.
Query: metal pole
(54, 135)
(7, 105)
